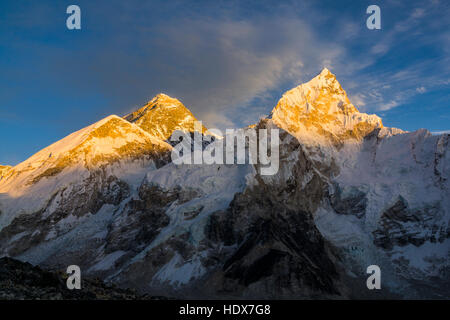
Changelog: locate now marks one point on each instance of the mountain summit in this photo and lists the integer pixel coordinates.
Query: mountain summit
(319, 111)
(162, 115)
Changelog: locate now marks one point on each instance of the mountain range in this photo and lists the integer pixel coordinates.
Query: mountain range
(349, 193)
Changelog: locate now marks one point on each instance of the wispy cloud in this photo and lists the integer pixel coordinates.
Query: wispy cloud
(389, 105)
(441, 132)
(358, 100)
(217, 65)
(421, 89)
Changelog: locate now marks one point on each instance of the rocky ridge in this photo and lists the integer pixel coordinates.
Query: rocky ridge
(23, 281)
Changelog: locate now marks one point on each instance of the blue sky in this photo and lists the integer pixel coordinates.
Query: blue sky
(227, 61)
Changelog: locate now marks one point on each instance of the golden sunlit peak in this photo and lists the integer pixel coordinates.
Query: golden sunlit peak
(319, 111)
(162, 116)
(326, 72)
(162, 97)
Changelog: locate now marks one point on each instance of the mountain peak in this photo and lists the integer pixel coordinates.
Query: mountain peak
(320, 111)
(325, 72)
(163, 99)
(162, 95)
(163, 115)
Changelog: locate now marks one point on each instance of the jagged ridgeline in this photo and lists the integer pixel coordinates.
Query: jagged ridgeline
(349, 193)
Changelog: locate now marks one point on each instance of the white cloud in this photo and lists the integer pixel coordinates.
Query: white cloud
(418, 13)
(441, 132)
(358, 100)
(217, 121)
(389, 105)
(421, 89)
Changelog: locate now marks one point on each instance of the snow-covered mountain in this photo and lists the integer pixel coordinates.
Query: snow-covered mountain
(349, 193)
(54, 170)
(319, 112)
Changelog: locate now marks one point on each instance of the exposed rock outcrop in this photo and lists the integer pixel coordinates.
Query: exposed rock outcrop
(23, 281)
(400, 225)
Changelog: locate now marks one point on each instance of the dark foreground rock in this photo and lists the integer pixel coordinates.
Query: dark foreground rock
(23, 281)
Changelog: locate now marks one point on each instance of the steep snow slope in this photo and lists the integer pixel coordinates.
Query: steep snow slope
(390, 205)
(100, 143)
(28, 186)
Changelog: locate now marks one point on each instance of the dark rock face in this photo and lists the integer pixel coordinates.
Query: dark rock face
(401, 225)
(141, 220)
(350, 201)
(279, 251)
(21, 280)
(89, 196)
(144, 218)
(440, 171)
(140, 274)
(135, 227)
(28, 230)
